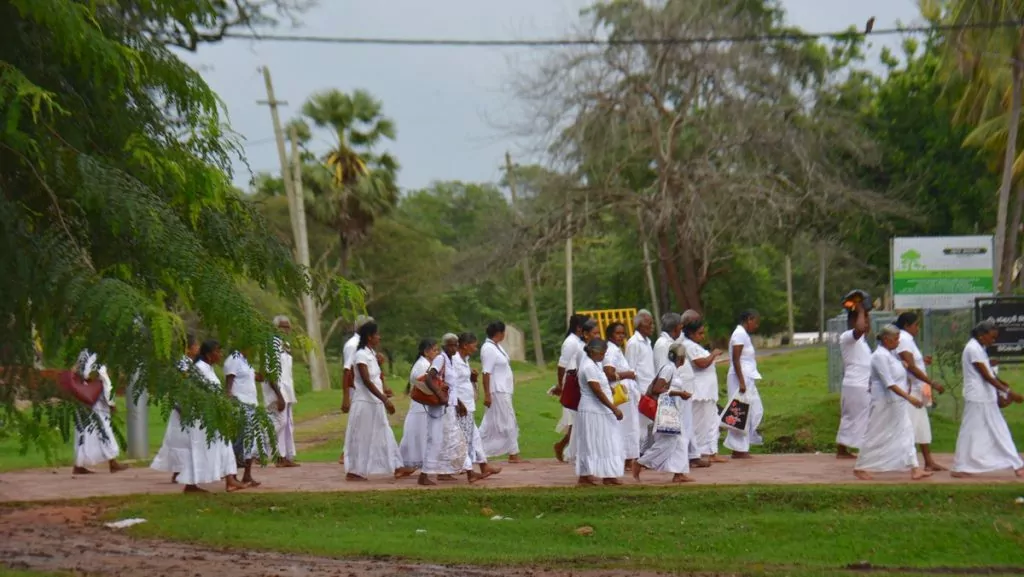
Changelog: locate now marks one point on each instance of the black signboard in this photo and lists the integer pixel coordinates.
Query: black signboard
(1008, 313)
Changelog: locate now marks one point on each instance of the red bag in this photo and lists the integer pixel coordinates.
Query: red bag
(83, 391)
(648, 406)
(570, 398)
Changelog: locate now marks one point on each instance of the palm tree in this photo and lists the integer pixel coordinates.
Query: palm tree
(360, 185)
(991, 61)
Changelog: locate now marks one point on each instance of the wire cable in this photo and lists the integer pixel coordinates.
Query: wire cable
(554, 42)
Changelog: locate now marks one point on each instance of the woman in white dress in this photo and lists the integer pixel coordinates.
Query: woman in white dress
(176, 447)
(94, 437)
(446, 452)
(617, 369)
(279, 397)
(240, 384)
(572, 348)
(414, 433)
(665, 452)
(742, 380)
(370, 446)
(855, 395)
(598, 438)
(208, 461)
(984, 443)
(499, 430)
(464, 382)
(889, 440)
(705, 391)
(921, 385)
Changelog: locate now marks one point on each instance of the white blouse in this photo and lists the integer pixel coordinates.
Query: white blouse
(705, 381)
(976, 389)
(244, 386)
(886, 370)
(460, 373)
(285, 382)
(419, 368)
(591, 372)
(640, 356)
(207, 372)
(368, 357)
(748, 356)
(616, 360)
(495, 363)
(909, 345)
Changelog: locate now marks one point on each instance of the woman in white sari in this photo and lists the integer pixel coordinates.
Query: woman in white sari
(666, 452)
(888, 443)
(597, 434)
(94, 437)
(984, 443)
(446, 453)
(499, 430)
(176, 448)
(921, 385)
(464, 383)
(617, 370)
(370, 446)
(572, 349)
(705, 391)
(414, 433)
(742, 382)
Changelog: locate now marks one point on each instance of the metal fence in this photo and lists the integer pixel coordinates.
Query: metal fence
(943, 335)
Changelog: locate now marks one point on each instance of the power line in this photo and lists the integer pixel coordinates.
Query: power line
(506, 43)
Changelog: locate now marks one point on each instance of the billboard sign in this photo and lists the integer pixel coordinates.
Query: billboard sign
(1008, 314)
(941, 272)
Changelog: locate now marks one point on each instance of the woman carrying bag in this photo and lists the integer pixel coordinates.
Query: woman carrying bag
(669, 446)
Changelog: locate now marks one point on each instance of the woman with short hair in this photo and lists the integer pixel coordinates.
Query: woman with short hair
(666, 452)
(889, 440)
(598, 438)
(742, 380)
(499, 430)
(984, 443)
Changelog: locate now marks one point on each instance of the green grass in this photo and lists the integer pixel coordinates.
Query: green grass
(799, 529)
(801, 415)
(8, 572)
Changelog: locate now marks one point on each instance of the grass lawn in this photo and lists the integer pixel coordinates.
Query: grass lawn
(795, 530)
(801, 415)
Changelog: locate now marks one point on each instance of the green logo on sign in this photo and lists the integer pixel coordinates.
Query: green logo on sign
(911, 260)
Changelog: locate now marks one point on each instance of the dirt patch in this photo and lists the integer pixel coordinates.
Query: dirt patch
(71, 539)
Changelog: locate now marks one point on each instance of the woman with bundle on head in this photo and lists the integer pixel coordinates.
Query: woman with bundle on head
(95, 444)
(921, 385)
(414, 433)
(176, 448)
(499, 430)
(618, 370)
(665, 452)
(742, 380)
(370, 446)
(705, 391)
(597, 432)
(215, 460)
(889, 440)
(984, 443)
(855, 399)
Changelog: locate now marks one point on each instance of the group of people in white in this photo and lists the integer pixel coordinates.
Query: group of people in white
(640, 405)
(886, 395)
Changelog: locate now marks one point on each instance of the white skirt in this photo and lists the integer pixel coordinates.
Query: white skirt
(370, 446)
(435, 461)
(598, 441)
(686, 419)
(889, 441)
(475, 447)
(984, 443)
(284, 429)
(740, 442)
(247, 445)
(630, 425)
(499, 431)
(669, 453)
(564, 426)
(414, 437)
(706, 427)
(95, 445)
(855, 409)
(176, 449)
(206, 463)
(922, 425)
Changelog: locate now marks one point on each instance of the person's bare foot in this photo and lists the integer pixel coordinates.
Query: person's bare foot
(341, 459)
(425, 481)
(862, 475)
(742, 456)
(559, 452)
(586, 482)
(473, 477)
(845, 455)
(918, 474)
(194, 489)
(116, 467)
(682, 478)
(174, 478)
(718, 459)
(354, 477)
(81, 471)
(516, 460)
(490, 470)
(285, 463)
(934, 467)
(446, 478)
(699, 463)
(1019, 473)
(404, 472)
(251, 483)
(637, 467)
(611, 481)
(232, 484)
(960, 475)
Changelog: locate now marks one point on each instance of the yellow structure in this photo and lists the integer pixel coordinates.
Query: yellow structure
(609, 316)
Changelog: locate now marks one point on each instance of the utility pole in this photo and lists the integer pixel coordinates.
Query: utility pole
(648, 266)
(317, 370)
(538, 349)
(791, 324)
(569, 308)
(821, 292)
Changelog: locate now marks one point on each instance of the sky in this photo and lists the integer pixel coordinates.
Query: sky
(451, 105)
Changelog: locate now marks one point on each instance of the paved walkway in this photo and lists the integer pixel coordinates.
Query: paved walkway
(816, 469)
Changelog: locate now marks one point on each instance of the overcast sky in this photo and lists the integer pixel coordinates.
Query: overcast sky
(448, 102)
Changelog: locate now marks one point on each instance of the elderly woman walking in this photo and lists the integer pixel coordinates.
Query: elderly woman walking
(598, 438)
(668, 453)
(889, 440)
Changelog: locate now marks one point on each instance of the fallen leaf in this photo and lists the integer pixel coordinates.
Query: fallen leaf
(585, 531)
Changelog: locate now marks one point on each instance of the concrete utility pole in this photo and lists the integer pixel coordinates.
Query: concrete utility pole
(821, 292)
(790, 325)
(538, 349)
(569, 308)
(648, 268)
(296, 207)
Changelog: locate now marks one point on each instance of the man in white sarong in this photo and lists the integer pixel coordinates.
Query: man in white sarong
(279, 397)
(855, 402)
(348, 354)
(984, 443)
(94, 438)
(499, 430)
(640, 356)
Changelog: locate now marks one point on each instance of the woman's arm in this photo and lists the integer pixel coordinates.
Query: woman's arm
(487, 390)
(658, 387)
(706, 361)
(737, 367)
(599, 393)
(229, 382)
(908, 359)
(901, 393)
(364, 372)
(996, 382)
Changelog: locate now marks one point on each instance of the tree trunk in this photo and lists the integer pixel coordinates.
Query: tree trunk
(1013, 236)
(790, 322)
(648, 267)
(345, 254)
(665, 255)
(692, 281)
(1004, 271)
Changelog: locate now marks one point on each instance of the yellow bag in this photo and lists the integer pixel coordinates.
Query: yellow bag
(619, 394)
